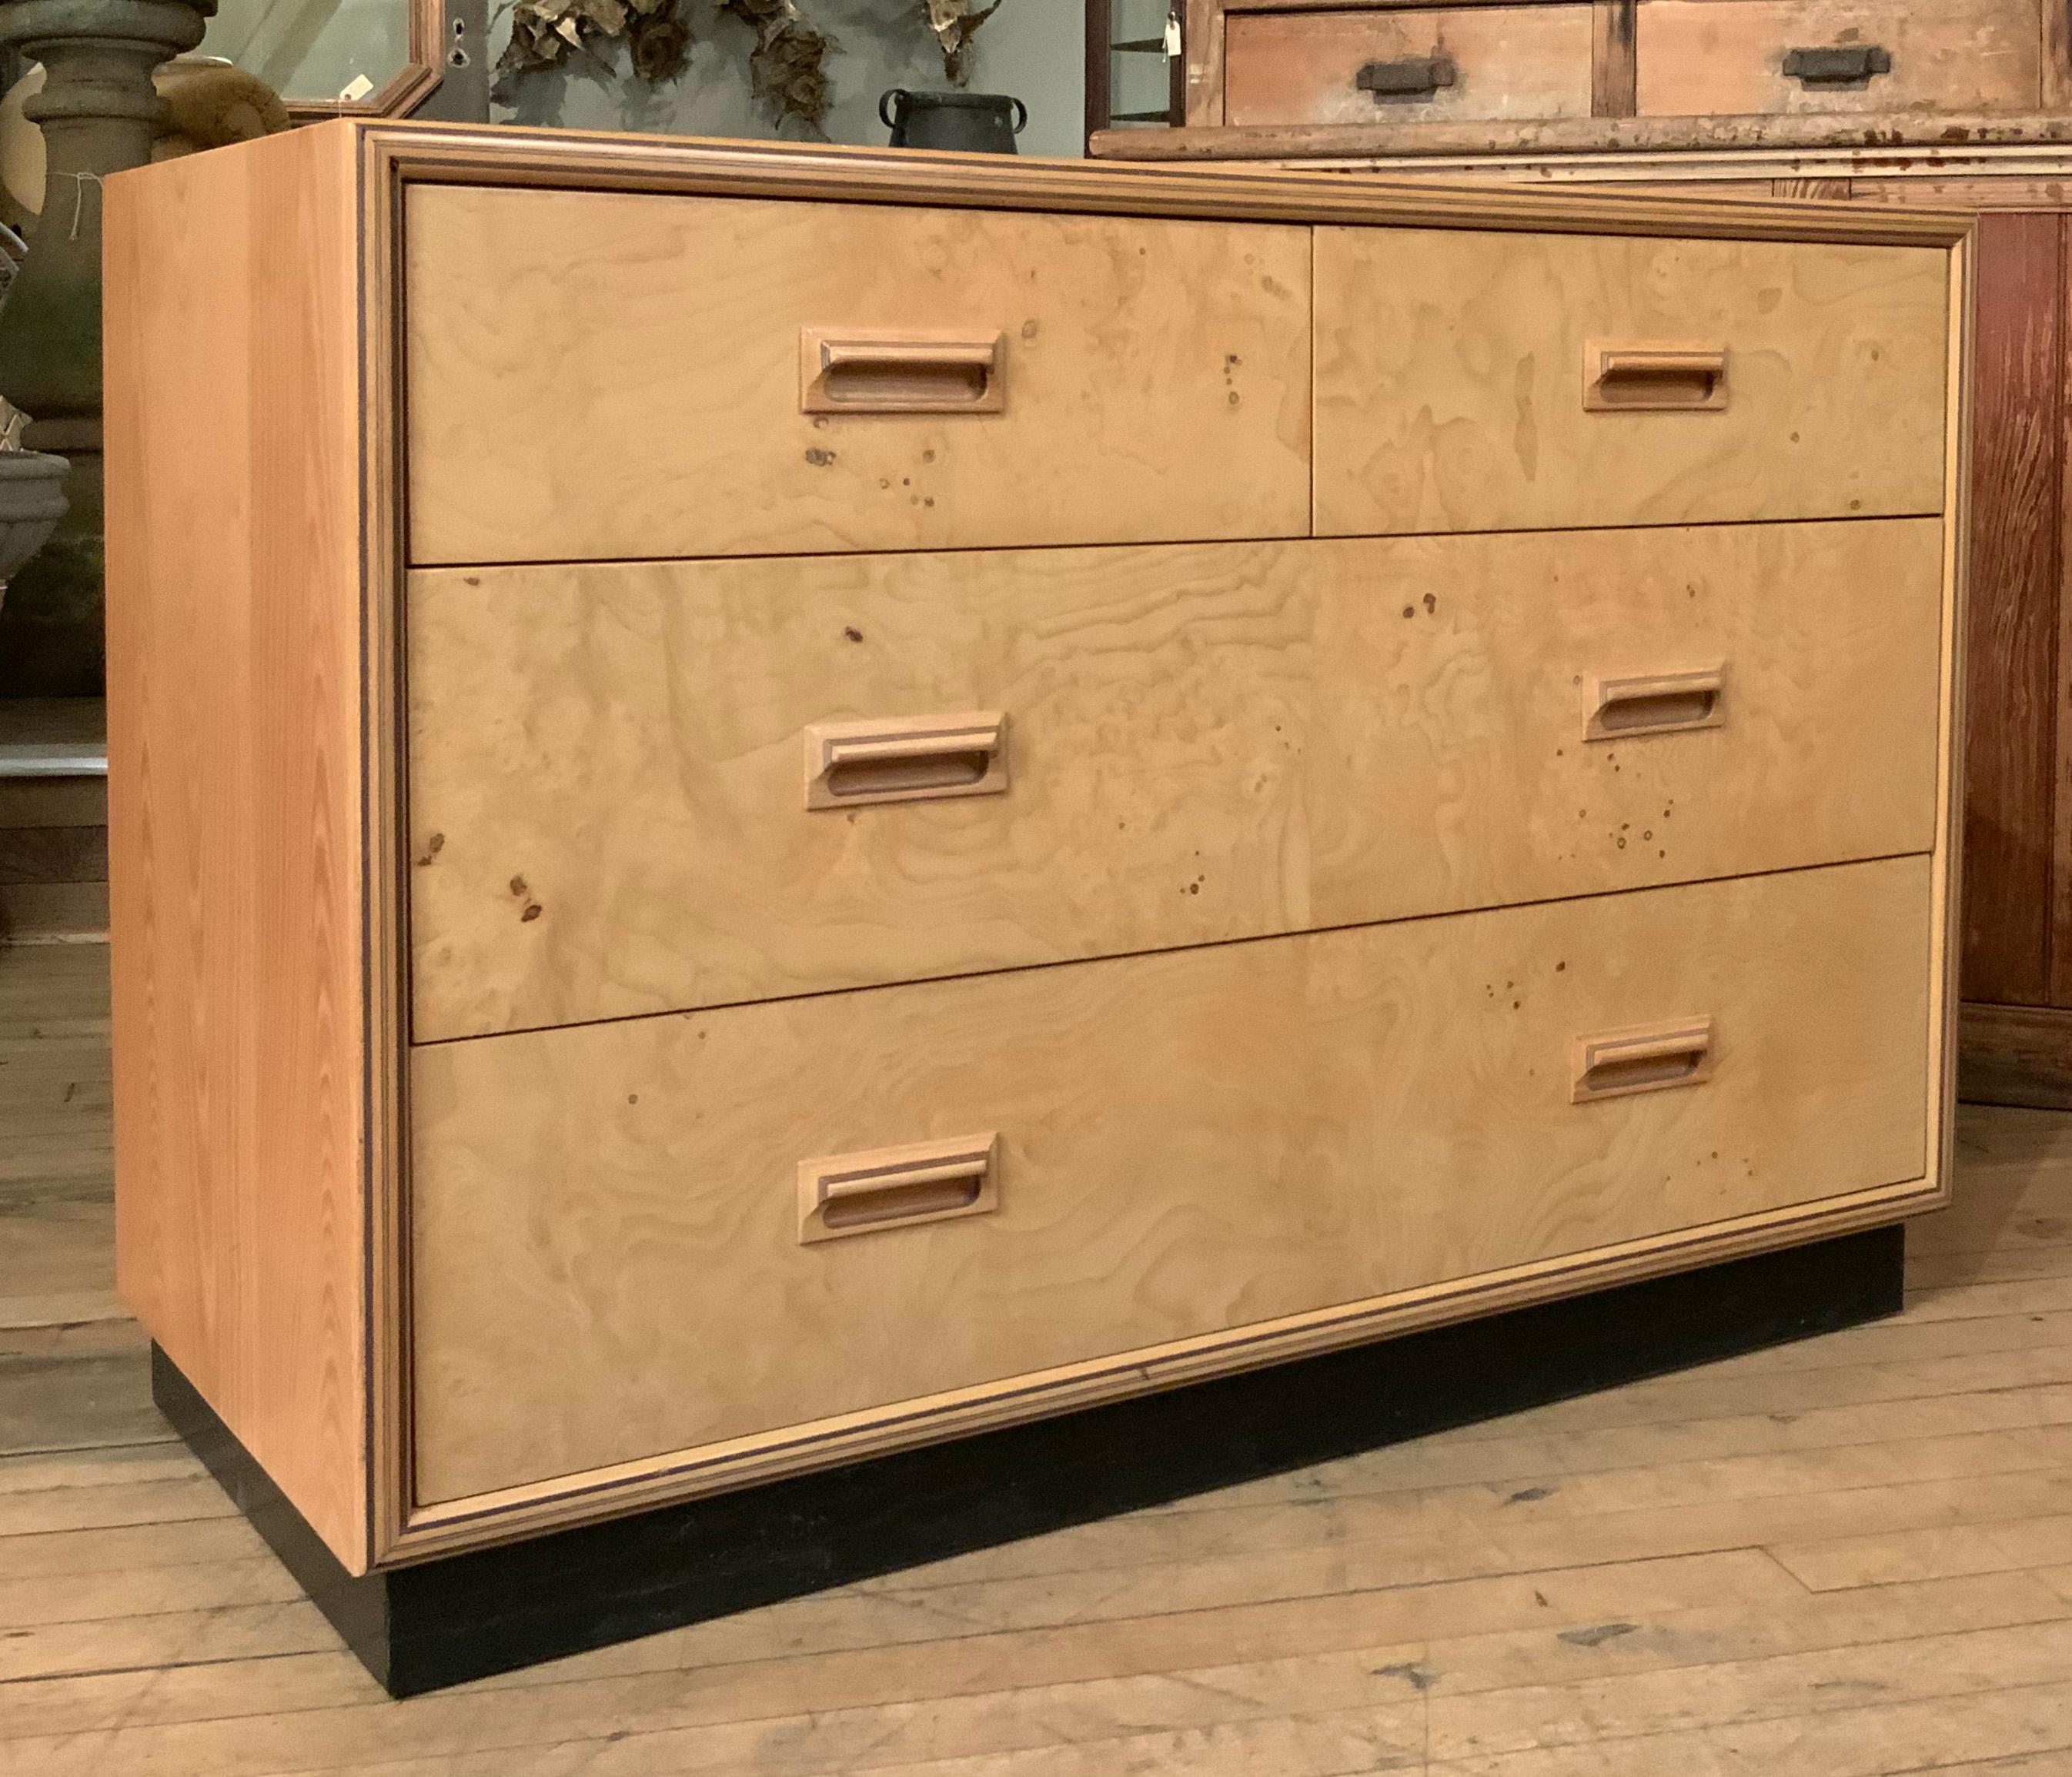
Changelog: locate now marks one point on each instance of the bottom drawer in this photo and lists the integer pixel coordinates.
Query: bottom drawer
(611, 1260)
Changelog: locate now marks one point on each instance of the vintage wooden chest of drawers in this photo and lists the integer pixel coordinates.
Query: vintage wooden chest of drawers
(772, 805)
(1389, 64)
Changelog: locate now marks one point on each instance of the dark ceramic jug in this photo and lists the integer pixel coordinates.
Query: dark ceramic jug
(976, 123)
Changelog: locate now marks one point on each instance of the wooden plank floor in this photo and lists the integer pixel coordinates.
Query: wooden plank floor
(1847, 1559)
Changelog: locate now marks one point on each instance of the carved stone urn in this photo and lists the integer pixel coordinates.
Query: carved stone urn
(32, 501)
(100, 115)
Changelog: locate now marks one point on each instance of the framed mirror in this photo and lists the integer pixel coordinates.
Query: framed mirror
(363, 58)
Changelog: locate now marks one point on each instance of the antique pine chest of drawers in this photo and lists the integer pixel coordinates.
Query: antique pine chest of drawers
(775, 805)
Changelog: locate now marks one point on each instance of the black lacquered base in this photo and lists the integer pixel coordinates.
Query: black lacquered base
(441, 1621)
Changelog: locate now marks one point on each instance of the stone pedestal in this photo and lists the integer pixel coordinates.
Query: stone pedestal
(100, 115)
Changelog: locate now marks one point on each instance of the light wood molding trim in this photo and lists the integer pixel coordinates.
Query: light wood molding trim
(859, 370)
(1947, 932)
(404, 90)
(893, 1188)
(383, 537)
(448, 154)
(906, 759)
(1669, 702)
(1676, 1052)
(1647, 377)
(517, 1512)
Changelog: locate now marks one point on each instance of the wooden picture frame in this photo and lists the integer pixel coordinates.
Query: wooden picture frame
(1101, 47)
(403, 94)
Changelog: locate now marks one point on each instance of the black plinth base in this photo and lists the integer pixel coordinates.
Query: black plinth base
(440, 1621)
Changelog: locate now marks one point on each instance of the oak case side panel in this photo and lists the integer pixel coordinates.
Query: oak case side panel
(235, 794)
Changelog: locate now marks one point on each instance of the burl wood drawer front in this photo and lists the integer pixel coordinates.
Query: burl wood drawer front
(654, 1234)
(1471, 382)
(621, 802)
(1405, 65)
(598, 375)
(1699, 57)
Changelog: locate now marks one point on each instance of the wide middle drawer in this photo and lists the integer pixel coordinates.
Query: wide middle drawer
(629, 789)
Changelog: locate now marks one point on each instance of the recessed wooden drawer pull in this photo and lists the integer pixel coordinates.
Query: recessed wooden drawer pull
(1844, 64)
(1644, 1058)
(1417, 77)
(888, 1187)
(905, 758)
(863, 372)
(1660, 704)
(1620, 378)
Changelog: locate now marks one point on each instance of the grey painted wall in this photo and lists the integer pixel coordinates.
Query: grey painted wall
(1034, 49)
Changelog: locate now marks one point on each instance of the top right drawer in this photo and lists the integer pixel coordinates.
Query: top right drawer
(1737, 57)
(1492, 382)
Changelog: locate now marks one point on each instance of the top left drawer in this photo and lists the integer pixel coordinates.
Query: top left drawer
(597, 376)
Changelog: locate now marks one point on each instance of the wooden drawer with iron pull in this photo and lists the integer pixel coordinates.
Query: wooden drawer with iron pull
(930, 764)
(1749, 57)
(599, 374)
(1473, 382)
(1388, 64)
(621, 1238)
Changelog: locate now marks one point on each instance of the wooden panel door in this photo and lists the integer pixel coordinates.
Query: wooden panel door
(2016, 1040)
(2016, 950)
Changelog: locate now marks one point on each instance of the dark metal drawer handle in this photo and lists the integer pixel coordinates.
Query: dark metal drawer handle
(1850, 64)
(1418, 77)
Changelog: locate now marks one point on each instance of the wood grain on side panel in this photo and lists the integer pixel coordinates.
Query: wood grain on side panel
(235, 794)
(606, 1256)
(1219, 741)
(2015, 540)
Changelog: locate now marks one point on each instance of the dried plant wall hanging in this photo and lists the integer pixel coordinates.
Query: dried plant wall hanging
(955, 23)
(545, 33)
(787, 69)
